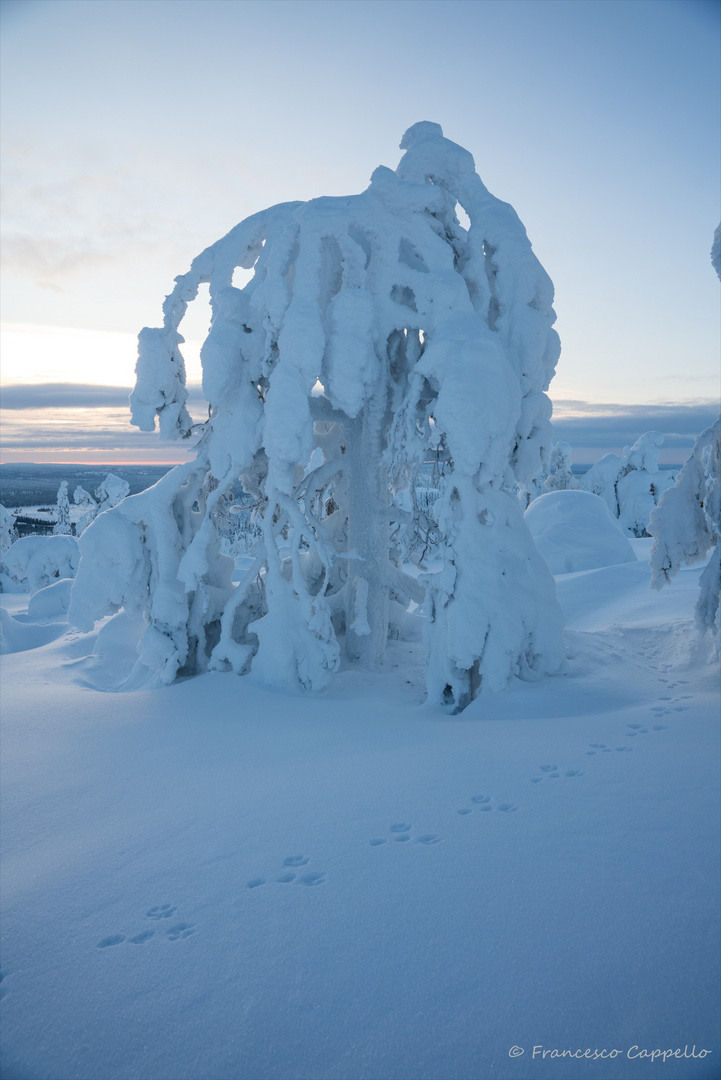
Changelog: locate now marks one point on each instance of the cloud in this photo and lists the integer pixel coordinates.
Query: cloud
(86, 419)
(611, 426)
(76, 396)
(63, 395)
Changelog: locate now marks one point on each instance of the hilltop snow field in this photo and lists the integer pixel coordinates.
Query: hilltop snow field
(213, 880)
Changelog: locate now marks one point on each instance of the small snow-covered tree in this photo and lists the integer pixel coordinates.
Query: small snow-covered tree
(560, 476)
(112, 491)
(63, 525)
(8, 532)
(687, 522)
(631, 484)
(84, 499)
(716, 251)
(374, 328)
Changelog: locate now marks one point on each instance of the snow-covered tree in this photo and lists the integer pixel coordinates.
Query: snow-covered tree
(374, 327)
(716, 251)
(112, 491)
(63, 525)
(84, 499)
(37, 561)
(687, 522)
(8, 532)
(631, 484)
(560, 476)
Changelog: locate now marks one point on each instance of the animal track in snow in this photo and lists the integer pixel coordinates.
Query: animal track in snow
(402, 834)
(142, 937)
(163, 911)
(114, 939)
(160, 911)
(556, 775)
(182, 930)
(313, 877)
(316, 877)
(484, 804)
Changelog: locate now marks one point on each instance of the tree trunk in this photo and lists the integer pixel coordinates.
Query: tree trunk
(368, 532)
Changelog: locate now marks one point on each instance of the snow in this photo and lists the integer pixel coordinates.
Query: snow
(632, 484)
(575, 530)
(687, 522)
(39, 560)
(214, 880)
(374, 328)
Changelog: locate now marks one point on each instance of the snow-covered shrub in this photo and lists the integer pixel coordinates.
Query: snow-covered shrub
(84, 499)
(112, 491)
(374, 328)
(575, 530)
(560, 474)
(687, 522)
(37, 561)
(63, 525)
(631, 484)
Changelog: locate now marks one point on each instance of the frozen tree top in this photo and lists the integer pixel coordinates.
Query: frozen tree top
(334, 277)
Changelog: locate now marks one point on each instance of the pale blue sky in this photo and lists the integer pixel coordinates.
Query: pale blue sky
(137, 132)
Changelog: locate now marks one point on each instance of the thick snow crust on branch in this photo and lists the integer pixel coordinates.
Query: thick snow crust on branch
(687, 522)
(374, 328)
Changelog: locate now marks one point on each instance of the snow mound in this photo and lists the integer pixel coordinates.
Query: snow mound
(574, 530)
(52, 601)
(17, 636)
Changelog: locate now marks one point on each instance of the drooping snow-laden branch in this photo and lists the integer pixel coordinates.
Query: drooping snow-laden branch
(375, 327)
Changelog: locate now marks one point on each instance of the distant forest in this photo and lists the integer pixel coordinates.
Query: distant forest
(37, 485)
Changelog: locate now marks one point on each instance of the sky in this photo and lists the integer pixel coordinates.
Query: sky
(137, 132)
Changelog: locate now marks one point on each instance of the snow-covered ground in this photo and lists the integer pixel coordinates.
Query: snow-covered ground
(216, 881)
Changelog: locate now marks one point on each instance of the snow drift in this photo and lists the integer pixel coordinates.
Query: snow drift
(575, 530)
